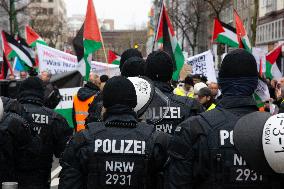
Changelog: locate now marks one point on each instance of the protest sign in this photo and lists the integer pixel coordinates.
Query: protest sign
(66, 104)
(105, 69)
(203, 64)
(262, 91)
(54, 60)
(261, 94)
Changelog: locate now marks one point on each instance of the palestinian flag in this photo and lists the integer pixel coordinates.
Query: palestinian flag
(113, 58)
(272, 70)
(20, 51)
(225, 34)
(88, 40)
(83, 64)
(166, 39)
(7, 50)
(241, 32)
(5, 67)
(33, 38)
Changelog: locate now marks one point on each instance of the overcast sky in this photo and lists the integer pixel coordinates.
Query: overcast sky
(126, 13)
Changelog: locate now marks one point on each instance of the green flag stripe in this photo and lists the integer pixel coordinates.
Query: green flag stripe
(38, 41)
(12, 54)
(179, 58)
(268, 72)
(225, 40)
(258, 100)
(88, 68)
(116, 62)
(91, 46)
(246, 47)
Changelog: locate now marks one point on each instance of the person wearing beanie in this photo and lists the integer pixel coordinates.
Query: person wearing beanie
(115, 153)
(82, 100)
(129, 53)
(134, 66)
(185, 89)
(202, 151)
(205, 98)
(167, 110)
(14, 136)
(49, 134)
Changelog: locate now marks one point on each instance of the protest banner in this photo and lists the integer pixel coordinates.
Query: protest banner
(66, 104)
(55, 61)
(203, 64)
(105, 69)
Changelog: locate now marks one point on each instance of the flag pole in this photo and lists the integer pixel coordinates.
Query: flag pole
(103, 44)
(159, 20)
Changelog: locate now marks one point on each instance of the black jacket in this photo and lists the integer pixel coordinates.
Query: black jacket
(95, 109)
(191, 105)
(199, 154)
(167, 110)
(14, 136)
(76, 162)
(87, 91)
(50, 133)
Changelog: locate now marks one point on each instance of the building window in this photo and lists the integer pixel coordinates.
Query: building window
(50, 11)
(51, 1)
(271, 32)
(44, 11)
(39, 1)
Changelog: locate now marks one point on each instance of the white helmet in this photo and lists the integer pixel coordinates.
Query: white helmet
(1, 109)
(198, 86)
(259, 138)
(144, 91)
(273, 142)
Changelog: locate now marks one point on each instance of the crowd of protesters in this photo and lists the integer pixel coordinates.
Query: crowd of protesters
(137, 130)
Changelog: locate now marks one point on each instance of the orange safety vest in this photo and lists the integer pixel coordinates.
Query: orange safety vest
(81, 111)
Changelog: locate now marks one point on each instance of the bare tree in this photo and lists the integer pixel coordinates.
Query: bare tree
(217, 6)
(46, 25)
(187, 17)
(9, 6)
(254, 22)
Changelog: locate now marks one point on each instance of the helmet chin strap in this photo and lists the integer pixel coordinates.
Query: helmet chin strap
(1, 109)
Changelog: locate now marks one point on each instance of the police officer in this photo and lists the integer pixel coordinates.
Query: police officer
(166, 110)
(14, 135)
(119, 152)
(202, 151)
(133, 66)
(50, 133)
(129, 53)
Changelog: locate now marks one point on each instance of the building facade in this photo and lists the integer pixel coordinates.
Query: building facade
(22, 16)
(49, 19)
(120, 40)
(270, 28)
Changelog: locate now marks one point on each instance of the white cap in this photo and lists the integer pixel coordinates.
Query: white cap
(273, 142)
(144, 91)
(1, 109)
(198, 86)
